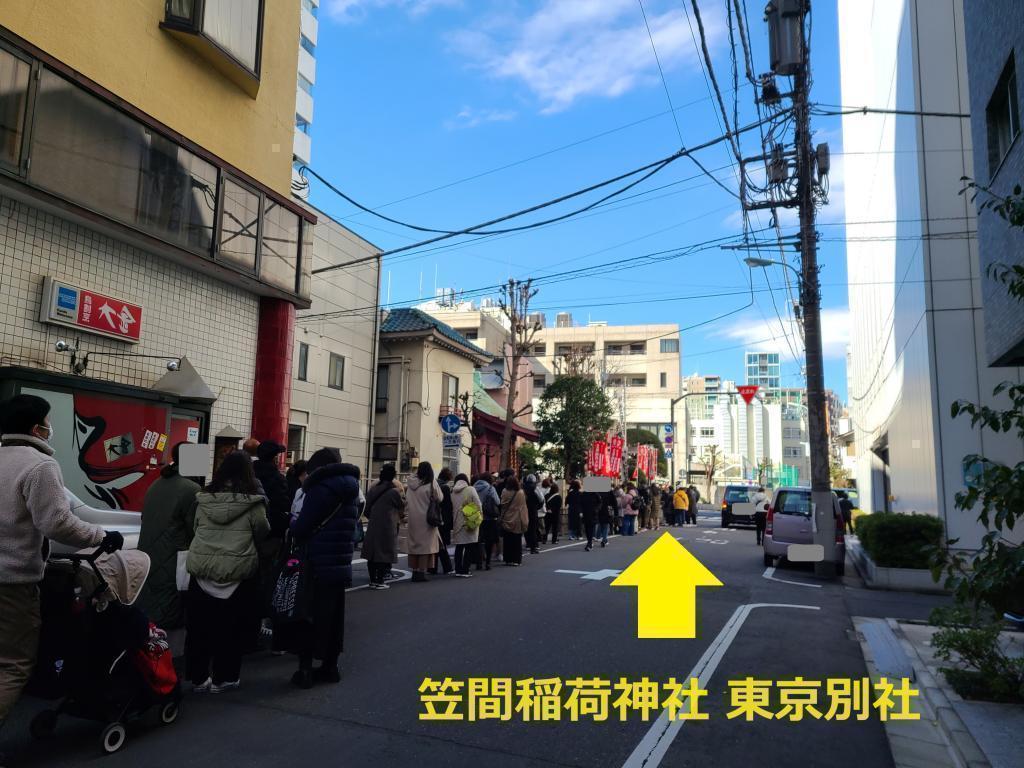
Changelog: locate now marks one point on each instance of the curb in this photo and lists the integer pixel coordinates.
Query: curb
(956, 734)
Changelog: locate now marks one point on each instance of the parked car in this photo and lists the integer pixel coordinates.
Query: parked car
(128, 523)
(737, 505)
(789, 522)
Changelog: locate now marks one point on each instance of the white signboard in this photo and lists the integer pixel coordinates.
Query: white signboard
(451, 441)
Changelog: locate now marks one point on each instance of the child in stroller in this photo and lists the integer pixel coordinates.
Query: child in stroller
(97, 652)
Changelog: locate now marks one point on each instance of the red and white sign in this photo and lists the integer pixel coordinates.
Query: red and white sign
(747, 392)
(615, 446)
(74, 307)
(597, 456)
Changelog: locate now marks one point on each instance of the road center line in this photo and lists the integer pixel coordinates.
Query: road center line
(655, 744)
(769, 573)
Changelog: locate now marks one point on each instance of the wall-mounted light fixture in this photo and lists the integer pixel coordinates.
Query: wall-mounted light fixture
(80, 360)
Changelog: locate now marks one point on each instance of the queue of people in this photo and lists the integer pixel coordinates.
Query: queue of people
(218, 552)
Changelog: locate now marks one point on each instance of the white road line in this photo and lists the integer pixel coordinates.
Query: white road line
(769, 573)
(404, 577)
(576, 544)
(655, 744)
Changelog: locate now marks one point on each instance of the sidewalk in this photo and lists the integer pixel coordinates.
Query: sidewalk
(895, 640)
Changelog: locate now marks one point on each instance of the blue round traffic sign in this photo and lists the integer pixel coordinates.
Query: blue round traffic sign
(451, 424)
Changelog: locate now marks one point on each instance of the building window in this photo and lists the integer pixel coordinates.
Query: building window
(279, 246)
(449, 393)
(305, 85)
(239, 226)
(664, 379)
(14, 76)
(637, 381)
(296, 442)
(336, 372)
(1002, 117)
(469, 333)
(385, 452)
(793, 452)
(383, 388)
(307, 45)
(539, 382)
(638, 348)
(791, 433)
(707, 431)
(303, 361)
(234, 27)
(450, 459)
(86, 151)
(613, 349)
(669, 346)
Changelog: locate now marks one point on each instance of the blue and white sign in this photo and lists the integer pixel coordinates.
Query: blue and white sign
(451, 424)
(669, 430)
(668, 453)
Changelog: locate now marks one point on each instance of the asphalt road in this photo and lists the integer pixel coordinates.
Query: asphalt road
(526, 622)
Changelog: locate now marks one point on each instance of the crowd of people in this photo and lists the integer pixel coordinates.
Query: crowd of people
(217, 552)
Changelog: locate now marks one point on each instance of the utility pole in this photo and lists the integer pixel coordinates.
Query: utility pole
(789, 56)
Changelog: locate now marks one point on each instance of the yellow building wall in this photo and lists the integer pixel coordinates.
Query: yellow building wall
(120, 45)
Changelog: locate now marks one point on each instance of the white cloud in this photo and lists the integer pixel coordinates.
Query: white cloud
(355, 11)
(753, 330)
(471, 117)
(571, 49)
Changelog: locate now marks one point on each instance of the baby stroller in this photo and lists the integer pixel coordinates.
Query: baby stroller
(98, 654)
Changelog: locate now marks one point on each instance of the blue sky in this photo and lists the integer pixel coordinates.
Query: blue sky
(412, 95)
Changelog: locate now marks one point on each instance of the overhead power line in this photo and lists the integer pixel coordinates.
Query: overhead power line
(648, 170)
(834, 110)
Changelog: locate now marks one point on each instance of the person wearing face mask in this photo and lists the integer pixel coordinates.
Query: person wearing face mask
(33, 508)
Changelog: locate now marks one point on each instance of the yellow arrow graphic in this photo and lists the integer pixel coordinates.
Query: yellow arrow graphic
(666, 576)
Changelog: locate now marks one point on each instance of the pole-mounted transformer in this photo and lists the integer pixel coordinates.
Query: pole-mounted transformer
(785, 35)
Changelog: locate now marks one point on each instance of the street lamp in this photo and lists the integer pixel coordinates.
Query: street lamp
(757, 262)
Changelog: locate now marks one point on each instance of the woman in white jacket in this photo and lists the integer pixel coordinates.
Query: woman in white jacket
(464, 498)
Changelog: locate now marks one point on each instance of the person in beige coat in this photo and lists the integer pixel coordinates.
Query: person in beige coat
(423, 538)
(463, 537)
(514, 521)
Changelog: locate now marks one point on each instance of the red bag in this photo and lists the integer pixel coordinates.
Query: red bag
(155, 663)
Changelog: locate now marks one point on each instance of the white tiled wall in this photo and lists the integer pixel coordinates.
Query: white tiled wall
(185, 314)
(338, 418)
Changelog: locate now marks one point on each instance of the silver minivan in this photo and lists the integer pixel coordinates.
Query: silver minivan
(789, 523)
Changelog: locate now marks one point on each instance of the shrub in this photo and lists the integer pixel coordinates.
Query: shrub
(899, 541)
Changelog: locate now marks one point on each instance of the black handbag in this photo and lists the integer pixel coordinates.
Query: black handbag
(434, 514)
(291, 599)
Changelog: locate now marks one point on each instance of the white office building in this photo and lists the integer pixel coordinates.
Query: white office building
(916, 335)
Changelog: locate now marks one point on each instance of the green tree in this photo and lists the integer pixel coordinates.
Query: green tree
(532, 458)
(989, 581)
(636, 437)
(573, 412)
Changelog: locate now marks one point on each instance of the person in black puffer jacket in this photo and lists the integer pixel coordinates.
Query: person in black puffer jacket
(327, 525)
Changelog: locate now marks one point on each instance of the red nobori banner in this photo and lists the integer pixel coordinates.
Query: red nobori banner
(596, 457)
(74, 307)
(615, 456)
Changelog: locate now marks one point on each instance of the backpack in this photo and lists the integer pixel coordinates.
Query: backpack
(472, 515)
(636, 503)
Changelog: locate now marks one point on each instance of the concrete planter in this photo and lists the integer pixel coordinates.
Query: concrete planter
(900, 579)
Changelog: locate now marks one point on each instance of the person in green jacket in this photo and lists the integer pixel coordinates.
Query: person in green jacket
(168, 519)
(231, 519)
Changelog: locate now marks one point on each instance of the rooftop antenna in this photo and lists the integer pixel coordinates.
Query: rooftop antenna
(420, 294)
(389, 287)
(435, 278)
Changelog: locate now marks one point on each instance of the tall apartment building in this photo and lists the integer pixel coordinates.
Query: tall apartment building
(917, 329)
(153, 257)
(638, 366)
(764, 369)
(306, 77)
